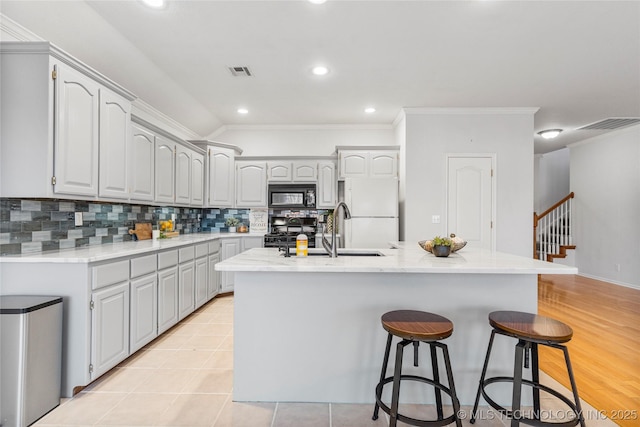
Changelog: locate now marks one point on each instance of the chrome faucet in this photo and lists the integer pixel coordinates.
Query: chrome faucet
(332, 249)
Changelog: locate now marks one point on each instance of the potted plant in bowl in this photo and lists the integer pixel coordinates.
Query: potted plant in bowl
(441, 246)
(232, 223)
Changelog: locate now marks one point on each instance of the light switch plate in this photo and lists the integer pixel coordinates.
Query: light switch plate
(78, 218)
(435, 219)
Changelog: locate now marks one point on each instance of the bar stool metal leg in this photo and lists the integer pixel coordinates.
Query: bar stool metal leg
(436, 378)
(484, 373)
(454, 397)
(535, 377)
(517, 383)
(573, 386)
(385, 362)
(395, 394)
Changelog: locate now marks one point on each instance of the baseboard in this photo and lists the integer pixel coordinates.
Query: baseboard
(615, 282)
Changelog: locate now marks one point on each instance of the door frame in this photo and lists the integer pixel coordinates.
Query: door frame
(494, 180)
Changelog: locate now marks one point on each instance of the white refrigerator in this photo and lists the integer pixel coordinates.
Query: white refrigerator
(373, 203)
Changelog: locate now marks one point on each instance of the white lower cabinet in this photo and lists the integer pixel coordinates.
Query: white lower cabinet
(201, 274)
(186, 282)
(167, 290)
(110, 328)
(230, 247)
(144, 311)
(213, 276)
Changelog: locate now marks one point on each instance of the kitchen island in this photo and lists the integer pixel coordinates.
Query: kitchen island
(307, 329)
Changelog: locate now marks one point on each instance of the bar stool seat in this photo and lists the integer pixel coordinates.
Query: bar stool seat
(413, 327)
(530, 330)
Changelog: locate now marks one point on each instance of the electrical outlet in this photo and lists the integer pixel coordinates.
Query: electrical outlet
(618, 268)
(78, 218)
(435, 219)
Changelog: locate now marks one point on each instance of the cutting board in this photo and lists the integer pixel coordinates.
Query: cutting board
(143, 231)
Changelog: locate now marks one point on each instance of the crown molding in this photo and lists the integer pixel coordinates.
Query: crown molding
(143, 111)
(469, 110)
(17, 31)
(308, 127)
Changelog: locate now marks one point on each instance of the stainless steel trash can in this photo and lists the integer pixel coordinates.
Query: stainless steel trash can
(30, 357)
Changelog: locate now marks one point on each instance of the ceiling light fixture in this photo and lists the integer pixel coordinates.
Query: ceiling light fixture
(317, 1)
(243, 111)
(369, 110)
(549, 133)
(156, 4)
(320, 70)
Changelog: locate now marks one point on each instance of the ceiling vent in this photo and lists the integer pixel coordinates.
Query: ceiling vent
(611, 123)
(240, 71)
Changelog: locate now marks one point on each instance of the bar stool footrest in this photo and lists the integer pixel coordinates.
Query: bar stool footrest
(413, 421)
(525, 420)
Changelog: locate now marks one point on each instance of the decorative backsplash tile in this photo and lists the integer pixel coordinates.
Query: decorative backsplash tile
(38, 225)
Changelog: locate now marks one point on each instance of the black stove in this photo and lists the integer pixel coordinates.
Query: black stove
(284, 231)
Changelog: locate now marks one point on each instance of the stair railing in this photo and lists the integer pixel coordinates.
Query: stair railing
(552, 228)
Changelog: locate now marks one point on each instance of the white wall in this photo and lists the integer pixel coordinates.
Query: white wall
(551, 179)
(605, 177)
(401, 140)
(507, 133)
(304, 140)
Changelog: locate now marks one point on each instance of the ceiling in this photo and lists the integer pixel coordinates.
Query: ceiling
(579, 62)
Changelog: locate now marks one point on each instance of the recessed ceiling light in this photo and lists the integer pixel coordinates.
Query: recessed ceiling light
(320, 70)
(317, 1)
(369, 110)
(549, 133)
(156, 4)
(243, 111)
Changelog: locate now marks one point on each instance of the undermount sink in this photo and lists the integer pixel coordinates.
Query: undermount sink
(341, 252)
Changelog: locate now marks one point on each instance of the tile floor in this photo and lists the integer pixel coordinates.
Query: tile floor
(185, 378)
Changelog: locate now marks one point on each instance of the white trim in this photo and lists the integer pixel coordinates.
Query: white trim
(399, 117)
(310, 127)
(608, 280)
(149, 114)
(494, 189)
(20, 33)
(470, 110)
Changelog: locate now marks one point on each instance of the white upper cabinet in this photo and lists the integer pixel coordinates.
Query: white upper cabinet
(305, 170)
(251, 184)
(279, 171)
(326, 190)
(368, 163)
(221, 177)
(183, 175)
(142, 164)
(197, 179)
(76, 139)
(54, 112)
(165, 170)
(115, 131)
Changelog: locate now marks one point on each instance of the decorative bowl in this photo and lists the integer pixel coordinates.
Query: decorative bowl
(458, 244)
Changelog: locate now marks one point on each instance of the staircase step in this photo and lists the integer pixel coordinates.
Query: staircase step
(562, 254)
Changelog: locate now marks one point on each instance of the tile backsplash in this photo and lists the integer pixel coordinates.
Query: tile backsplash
(37, 225)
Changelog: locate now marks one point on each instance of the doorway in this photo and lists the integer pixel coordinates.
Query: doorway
(471, 198)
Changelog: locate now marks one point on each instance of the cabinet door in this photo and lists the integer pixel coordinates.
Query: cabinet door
(186, 286)
(251, 184)
(183, 175)
(144, 311)
(279, 171)
(115, 131)
(110, 328)
(326, 188)
(229, 248)
(167, 298)
(383, 164)
(142, 165)
(354, 164)
(305, 171)
(197, 179)
(201, 283)
(213, 277)
(221, 177)
(251, 242)
(76, 142)
(165, 172)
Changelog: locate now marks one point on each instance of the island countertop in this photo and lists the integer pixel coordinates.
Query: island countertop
(403, 258)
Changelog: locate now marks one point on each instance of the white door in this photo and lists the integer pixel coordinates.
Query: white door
(115, 131)
(221, 177)
(165, 170)
(470, 200)
(197, 179)
(144, 311)
(167, 298)
(183, 175)
(142, 168)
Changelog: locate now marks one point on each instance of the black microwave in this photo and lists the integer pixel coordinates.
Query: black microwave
(292, 196)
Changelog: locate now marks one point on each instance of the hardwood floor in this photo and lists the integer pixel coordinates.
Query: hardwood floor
(605, 349)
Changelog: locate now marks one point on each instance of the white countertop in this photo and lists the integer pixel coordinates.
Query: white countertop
(98, 253)
(406, 258)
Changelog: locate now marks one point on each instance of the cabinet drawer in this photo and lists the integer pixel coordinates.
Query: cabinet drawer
(214, 246)
(109, 274)
(143, 265)
(167, 259)
(186, 254)
(201, 250)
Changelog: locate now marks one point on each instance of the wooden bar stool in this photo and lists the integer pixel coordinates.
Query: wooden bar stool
(531, 330)
(414, 327)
